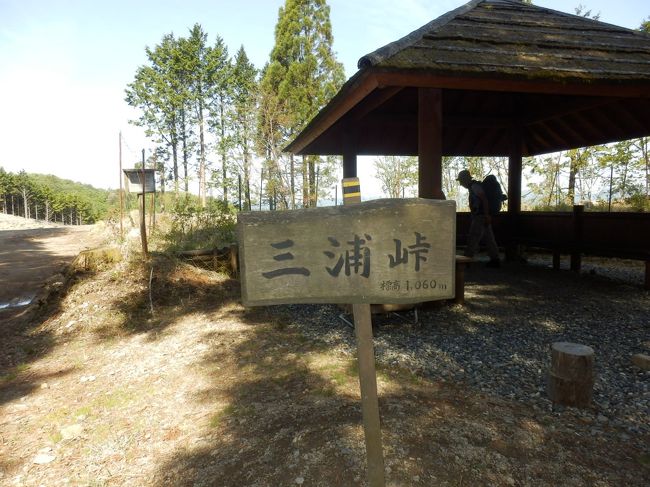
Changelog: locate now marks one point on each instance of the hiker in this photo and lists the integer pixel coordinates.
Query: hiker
(481, 224)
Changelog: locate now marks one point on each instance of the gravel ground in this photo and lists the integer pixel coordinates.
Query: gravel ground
(499, 342)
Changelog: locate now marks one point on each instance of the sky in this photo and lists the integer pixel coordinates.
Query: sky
(64, 65)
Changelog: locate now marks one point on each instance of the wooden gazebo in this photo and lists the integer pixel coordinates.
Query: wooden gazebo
(491, 78)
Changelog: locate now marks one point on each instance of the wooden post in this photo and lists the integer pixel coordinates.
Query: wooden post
(578, 228)
(556, 260)
(514, 192)
(647, 274)
(571, 378)
(367, 373)
(349, 155)
(459, 283)
(430, 143)
(143, 223)
(121, 194)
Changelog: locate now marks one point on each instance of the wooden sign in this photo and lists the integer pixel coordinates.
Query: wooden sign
(134, 179)
(381, 251)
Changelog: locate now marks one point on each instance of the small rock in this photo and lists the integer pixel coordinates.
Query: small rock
(44, 385)
(71, 432)
(299, 480)
(43, 458)
(416, 478)
(641, 360)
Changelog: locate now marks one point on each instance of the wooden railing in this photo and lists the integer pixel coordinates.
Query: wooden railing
(623, 235)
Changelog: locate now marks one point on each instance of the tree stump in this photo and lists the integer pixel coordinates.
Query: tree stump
(571, 378)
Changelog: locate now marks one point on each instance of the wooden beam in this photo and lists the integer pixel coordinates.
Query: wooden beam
(569, 107)
(553, 133)
(574, 134)
(430, 143)
(332, 113)
(477, 121)
(431, 80)
(384, 95)
(485, 136)
(586, 120)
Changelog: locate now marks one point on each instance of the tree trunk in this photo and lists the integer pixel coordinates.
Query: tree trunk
(25, 204)
(202, 184)
(312, 181)
(292, 170)
(185, 157)
(305, 183)
(175, 167)
(247, 178)
(573, 170)
(224, 169)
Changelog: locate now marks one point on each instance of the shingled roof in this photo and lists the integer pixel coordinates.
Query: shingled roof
(517, 40)
(565, 80)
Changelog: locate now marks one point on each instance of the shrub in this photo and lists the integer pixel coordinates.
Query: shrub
(193, 227)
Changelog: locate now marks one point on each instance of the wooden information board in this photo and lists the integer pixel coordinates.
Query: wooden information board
(381, 251)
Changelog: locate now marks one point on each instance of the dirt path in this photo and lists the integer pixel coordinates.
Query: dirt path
(31, 252)
(137, 378)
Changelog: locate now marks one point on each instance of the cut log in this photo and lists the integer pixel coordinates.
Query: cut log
(571, 378)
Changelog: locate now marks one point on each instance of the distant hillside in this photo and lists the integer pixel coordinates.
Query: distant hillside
(48, 197)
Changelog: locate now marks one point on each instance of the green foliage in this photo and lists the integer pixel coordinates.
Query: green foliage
(300, 78)
(398, 175)
(645, 26)
(195, 227)
(47, 197)
(244, 97)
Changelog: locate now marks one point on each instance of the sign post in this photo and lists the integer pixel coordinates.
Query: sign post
(367, 372)
(141, 181)
(381, 251)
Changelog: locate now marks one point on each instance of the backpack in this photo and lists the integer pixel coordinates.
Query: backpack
(493, 193)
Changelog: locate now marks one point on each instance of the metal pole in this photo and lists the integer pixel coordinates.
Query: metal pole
(121, 194)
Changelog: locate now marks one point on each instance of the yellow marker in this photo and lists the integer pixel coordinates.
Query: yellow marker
(351, 190)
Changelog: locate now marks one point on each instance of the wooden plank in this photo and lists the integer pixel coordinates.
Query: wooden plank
(381, 251)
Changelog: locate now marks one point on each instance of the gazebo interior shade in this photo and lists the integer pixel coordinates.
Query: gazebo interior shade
(558, 81)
